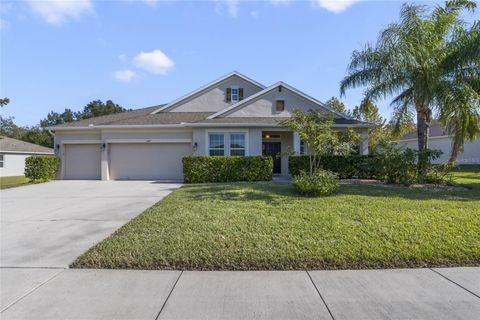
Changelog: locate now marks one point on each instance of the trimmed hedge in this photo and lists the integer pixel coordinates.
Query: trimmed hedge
(202, 169)
(346, 167)
(41, 168)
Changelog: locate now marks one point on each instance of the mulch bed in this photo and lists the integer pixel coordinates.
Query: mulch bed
(426, 186)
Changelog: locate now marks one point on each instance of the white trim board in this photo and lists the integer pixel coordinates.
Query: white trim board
(148, 140)
(207, 86)
(124, 126)
(81, 142)
(201, 125)
(25, 152)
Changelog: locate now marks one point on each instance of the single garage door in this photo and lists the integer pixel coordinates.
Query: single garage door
(147, 161)
(82, 161)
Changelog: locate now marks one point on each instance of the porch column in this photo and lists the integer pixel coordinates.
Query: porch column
(364, 142)
(104, 160)
(296, 143)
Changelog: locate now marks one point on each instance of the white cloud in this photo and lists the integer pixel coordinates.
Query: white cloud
(125, 75)
(229, 7)
(254, 14)
(155, 62)
(56, 12)
(335, 6)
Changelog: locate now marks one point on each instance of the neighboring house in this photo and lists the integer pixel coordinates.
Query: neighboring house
(13, 153)
(439, 139)
(233, 115)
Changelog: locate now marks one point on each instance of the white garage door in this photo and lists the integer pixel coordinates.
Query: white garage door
(82, 161)
(147, 161)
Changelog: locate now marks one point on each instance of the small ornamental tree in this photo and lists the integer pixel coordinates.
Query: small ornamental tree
(315, 130)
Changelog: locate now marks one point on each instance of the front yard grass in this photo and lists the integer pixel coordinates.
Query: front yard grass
(11, 182)
(252, 226)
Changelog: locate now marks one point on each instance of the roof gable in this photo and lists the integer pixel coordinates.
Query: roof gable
(196, 93)
(310, 101)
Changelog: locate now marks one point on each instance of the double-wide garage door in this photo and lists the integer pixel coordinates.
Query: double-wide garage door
(127, 161)
(147, 161)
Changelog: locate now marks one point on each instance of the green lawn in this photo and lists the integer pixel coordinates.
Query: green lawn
(248, 226)
(11, 182)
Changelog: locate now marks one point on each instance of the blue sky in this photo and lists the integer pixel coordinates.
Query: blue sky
(57, 55)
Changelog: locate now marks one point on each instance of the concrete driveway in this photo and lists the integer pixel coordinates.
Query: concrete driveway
(49, 225)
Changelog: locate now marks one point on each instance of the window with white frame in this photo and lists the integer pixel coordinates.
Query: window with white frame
(237, 144)
(302, 147)
(235, 95)
(2, 161)
(216, 144)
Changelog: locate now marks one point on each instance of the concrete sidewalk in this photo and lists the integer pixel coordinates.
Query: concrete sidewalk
(448, 293)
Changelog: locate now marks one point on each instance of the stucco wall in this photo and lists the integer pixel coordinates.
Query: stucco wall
(152, 134)
(471, 154)
(255, 141)
(13, 165)
(198, 137)
(62, 137)
(266, 105)
(214, 99)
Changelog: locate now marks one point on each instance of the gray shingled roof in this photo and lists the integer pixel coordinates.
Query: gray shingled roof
(165, 118)
(144, 117)
(435, 131)
(10, 144)
(111, 118)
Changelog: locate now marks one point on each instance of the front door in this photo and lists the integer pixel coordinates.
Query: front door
(273, 149)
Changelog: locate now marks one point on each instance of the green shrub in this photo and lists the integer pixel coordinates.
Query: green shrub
(441, 174)
(402, 166)
(352, 166)
(202, 169)
(41, 168)
(321, 183)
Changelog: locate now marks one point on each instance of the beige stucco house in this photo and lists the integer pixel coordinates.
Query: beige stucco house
(13, 153)
(233, 115)
(439, 139)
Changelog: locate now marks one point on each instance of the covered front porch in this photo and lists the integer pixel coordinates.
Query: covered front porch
(276, 142)
(280, 144)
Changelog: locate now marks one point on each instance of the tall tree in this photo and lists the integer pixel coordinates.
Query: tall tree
(414, 60)
(367, 111)
(38, 135)
(8, 128)
(461, 112)
(55, 118)
(336, 104)
(98, 108)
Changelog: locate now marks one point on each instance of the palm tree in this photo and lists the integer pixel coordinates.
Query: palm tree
(416, 60)
(460, 112)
